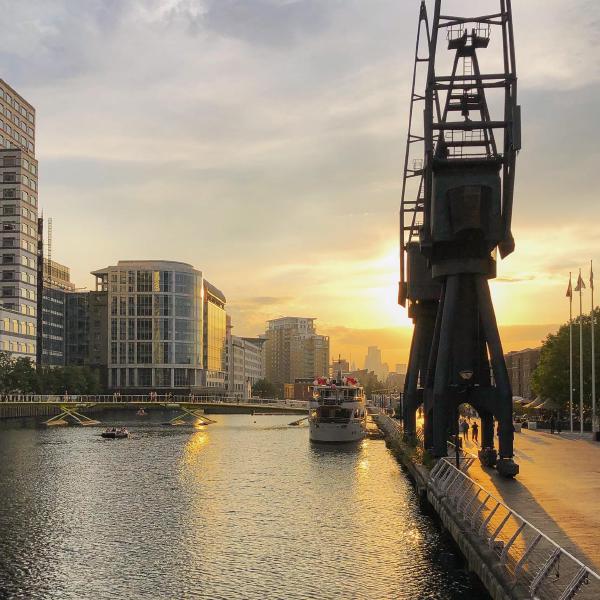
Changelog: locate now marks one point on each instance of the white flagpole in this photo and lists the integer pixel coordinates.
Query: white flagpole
(571, 353)
(593, 350)
(580, 286)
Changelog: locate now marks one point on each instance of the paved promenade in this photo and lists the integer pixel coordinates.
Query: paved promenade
(558, 489)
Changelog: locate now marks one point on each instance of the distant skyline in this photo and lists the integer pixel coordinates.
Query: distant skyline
(263, 142)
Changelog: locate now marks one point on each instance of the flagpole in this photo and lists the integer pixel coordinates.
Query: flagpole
(570, 353)
(580, 286)
(593, 351)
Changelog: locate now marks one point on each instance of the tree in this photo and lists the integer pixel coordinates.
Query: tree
(6, 366)
(23, 378)
(550, 380)
(264, 389)
(20, 376)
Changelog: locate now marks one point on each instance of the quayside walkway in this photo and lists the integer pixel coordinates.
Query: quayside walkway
(557, 490)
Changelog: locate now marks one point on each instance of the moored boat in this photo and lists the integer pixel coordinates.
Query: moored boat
(337, 411)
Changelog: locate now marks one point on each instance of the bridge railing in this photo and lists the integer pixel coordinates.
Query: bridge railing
(529, 557)
(145, 398)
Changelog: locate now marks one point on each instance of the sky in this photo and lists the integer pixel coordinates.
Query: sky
(262, 141)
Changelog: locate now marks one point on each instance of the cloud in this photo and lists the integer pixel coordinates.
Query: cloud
(263, 142)
(277, 23)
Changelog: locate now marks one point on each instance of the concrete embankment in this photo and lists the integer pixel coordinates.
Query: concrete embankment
(480, 559)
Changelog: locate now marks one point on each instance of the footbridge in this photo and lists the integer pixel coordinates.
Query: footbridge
(72, 408)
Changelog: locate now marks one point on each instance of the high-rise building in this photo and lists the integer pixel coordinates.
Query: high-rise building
(293, 350)
(373, 359)
(18, 218)
(373, 363)
(56, 285)
(165, 327)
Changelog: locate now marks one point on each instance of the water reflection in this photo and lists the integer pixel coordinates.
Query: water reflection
(238, 509)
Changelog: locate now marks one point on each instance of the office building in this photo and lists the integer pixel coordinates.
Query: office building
(374, 363)
(86, 332)
(165, 327)
(309, 356)
(56, 285)
(245, 365)
(521, 365)
(215, 338)
(293, 350)
(18, 223)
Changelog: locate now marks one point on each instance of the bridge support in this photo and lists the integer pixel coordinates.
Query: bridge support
(187, 411)
(68, 411)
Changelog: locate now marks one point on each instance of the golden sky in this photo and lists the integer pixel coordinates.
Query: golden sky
(263, 143)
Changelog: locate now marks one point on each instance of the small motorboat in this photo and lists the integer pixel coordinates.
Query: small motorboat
(141, 413)
(115, 433)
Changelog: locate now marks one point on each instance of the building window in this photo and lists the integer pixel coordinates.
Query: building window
(163, 306)
(183, 377)
(144, 377)
(164, 329)
(184, 354)
(144, 305)
(162, 353)
(184, 330)
(184, 283)
(165, 281)
(162, 377)
(144, 352)
(144, 329)
(183, 306)
(144, 281)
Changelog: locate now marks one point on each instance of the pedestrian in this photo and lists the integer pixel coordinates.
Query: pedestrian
(464, 426)
(552, 423)
(475, 432)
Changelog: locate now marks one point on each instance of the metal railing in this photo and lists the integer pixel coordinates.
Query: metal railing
(147, 399)
(529, 557)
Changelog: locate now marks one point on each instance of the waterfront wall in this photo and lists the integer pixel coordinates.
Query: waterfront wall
(479, 558)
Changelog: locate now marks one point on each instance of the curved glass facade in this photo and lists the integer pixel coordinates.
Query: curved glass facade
(156, 324)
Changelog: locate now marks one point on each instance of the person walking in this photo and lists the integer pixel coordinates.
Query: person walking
(464, 426)
(552, 423)
(475, 432)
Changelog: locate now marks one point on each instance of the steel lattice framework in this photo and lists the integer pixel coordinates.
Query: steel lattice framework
(453, 222)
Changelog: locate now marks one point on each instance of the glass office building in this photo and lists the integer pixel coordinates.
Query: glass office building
(215, 337)
(158, 326)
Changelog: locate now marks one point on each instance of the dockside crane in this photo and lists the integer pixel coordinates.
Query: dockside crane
(418, 292)
(463, 216)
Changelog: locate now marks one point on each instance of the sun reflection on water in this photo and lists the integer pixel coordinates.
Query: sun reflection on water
(198, 440)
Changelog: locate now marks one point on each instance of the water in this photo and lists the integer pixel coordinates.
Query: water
(245, 508)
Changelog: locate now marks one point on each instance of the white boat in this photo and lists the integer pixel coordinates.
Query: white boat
(337, 411)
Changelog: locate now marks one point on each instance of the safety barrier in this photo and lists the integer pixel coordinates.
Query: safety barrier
(148, 398)
(529, 557)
